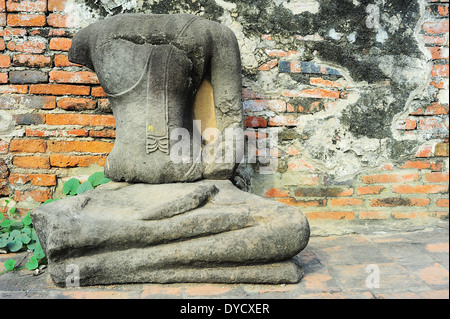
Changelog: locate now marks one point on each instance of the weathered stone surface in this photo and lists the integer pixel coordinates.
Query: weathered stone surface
(164, 59)
(208, 231)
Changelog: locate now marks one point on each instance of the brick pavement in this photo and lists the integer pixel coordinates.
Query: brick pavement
(412, 263)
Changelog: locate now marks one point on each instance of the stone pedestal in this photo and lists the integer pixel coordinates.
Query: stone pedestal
(208, 231)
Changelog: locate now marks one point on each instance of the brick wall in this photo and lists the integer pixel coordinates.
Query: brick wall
(56, 121)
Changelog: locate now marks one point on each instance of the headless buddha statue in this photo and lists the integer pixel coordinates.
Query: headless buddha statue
(150, 67)
(150, 70)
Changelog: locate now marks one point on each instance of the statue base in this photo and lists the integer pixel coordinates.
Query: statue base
(203, 232)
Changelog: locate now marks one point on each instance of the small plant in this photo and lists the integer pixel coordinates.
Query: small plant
(17, 235)
(73, 187)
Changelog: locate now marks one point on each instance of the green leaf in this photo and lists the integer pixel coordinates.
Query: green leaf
(47, 201)
(9, 264)
(32, 246)
(104, 181)
(96, 178)
(12, 210)
(71, 186)
(16, 224)
(3, 242)
(26, 230)
(27, 220)
(33, 234)
(32, 264)
(24, 239)
(6, 223)
(38, 252)
(84, 187)
(15, 245)
(15, 233)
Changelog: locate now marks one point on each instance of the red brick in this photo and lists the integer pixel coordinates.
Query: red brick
(77, 104)
(303, 203)
(323, 192)
(56, 5)
(2, 45)
(442, 202)
(3, 78)
(82, 77)
(5, 61)
(441, 149)
(35, 179)
(26, 5)
(346, 202)
(255, 121)
(397, 201)
(11, 102)
(59, 89)
(79, 146)
(424, 151)
(11, 89)
(436, 27)
(437, 177)
(3, 147)
(328, 83)
(433, 109)
(439, 85)
(2, 5)
(407, 124)
(251, 95)
(9, 32)
(37, 195)
(62, 60)
(299, 165)
(29, 119)
(26, 20)
(60, 44)
(435, 40)
(27, 146)
(390, 178)
(279, 53)
(283, 120)
(438, 53)
(262, 105)
(369, 190)
(330, 215)
(103, 134)
(81, 119)
(269, 65)
(60, 20)
(57, 160)
(408, 215)
(2, 19)
(29, 46)
(440, 70)
(422, 165)
(443, 11)
(32, 61)
(420, 189)
(276, 192)
(57, 133)
(98, 92)
(31, 162)
(432, 123)
(313, 93)
(374, 215)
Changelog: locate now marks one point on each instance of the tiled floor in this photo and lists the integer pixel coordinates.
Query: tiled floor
(368, 264)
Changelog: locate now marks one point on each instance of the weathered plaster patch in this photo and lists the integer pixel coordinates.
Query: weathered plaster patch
(300, 6)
